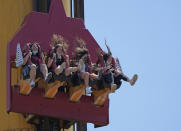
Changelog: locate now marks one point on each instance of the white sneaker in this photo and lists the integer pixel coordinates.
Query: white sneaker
(48, 78)
(88, 91)
(32, 83)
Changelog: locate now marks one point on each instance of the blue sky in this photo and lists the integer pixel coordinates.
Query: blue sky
(146, 36)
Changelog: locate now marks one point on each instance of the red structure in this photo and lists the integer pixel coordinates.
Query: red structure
(39, 27)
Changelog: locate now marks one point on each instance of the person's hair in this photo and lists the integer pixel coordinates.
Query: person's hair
(80, 43)
(80, 49)
(30, 47)
(31, 44)
(80, 52)
(106, 56)
(57, 46)
(59, 40)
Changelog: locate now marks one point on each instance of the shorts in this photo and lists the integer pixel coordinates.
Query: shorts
(26, 72)
(61, 77)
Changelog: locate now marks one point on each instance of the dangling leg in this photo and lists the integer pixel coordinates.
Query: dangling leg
(85, 76)
(32, 74)
(125, 78)
(134, 79)
(131, 81)
(26, 87)
(60, 68)
(44, 70)
(70, 70)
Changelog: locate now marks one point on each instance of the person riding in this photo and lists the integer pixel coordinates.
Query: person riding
(33, 63)
(58, 61)
(81, 55)
(113, 68)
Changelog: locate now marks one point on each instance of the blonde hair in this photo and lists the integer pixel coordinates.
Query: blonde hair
(80, 43)
(59, 40)
(80, 48)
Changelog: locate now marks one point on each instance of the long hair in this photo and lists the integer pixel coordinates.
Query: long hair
(80, 52)
(80, 49)
(39, 49)
(106, 55)
(108, 48)
(59, 40)
(102, 57)
(57, 46)
(80, 43)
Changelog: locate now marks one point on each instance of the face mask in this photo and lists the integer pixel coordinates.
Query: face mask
(34, 52)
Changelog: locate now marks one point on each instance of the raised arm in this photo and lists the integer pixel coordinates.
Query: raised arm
(50, 61)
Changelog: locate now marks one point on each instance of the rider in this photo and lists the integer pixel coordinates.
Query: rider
(113, 69)
(33, 63)
(58, 61)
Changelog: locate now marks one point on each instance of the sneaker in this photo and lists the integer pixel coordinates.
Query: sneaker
(134, 79)
(81, 65)
(88, 91)
(49, 76)
(30, 118)
(32, 83)
(113, 88)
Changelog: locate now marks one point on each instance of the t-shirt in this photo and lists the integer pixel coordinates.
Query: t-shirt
(34, 59)
(56, 61)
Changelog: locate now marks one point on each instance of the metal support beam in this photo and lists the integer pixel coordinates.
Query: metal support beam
(42, 5)
(79, 9)
(81, 126)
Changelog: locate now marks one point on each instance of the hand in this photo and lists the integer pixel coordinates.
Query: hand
(53, 55)
(108, 67)
(43, 57)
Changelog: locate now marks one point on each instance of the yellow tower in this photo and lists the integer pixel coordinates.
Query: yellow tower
(12, 13)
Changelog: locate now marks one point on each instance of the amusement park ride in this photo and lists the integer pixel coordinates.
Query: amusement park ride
(59, 103)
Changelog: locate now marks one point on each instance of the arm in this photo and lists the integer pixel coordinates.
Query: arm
(50, 61)
(113, 63)
(67, 61)
(42, 57)
(26, 58)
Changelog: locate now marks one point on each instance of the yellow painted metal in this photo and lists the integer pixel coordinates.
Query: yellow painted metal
(67, 7)
(70, 129)
(12, 13)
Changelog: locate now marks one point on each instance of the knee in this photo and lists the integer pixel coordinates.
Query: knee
(43, 67)
(86, 74)
(56, 71)
(71, 69)
(33, 67)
